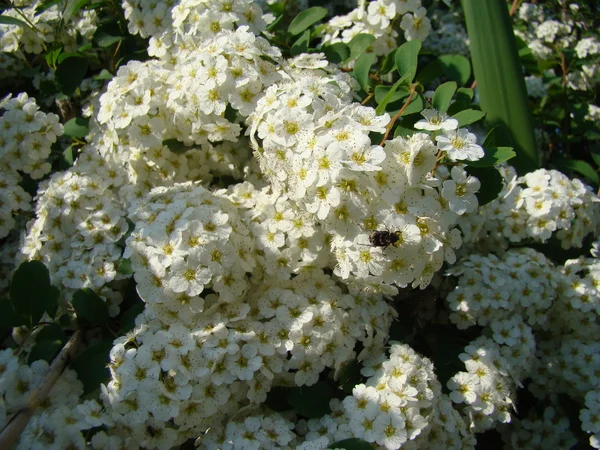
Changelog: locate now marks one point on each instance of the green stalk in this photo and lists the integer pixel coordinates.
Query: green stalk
(499, 76)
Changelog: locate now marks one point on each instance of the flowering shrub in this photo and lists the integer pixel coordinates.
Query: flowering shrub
(262, 232)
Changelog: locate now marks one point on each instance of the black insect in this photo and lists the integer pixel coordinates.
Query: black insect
(383, 238)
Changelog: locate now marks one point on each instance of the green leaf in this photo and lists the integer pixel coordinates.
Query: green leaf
(462, 101)
(72, 8)
(352, 444)
(497, 137)
(175, 145)
(70, 73)
(430, 72)
(492, 157)
(9, 20)
(8, 317)
(30, 291)
(52, 56)
(90, 306)
(381, 92)
(104, 75)
(91, 366)
(350, 376)
(77, 127)
(277, 399)
(305, 19)
(407, 57)
(499, 75)
(128, 317)
(67, 158)
(48, 343)
(456, 68)
(443, 96)
(416, 105)
(468, 116)
(301, 44)
(581, 167)
(336, 53)
(124, 267)
(106, 40)
(381, 107)
(389, 63)
(362, 68)
(311, 402)
(491, 183)
(46, 5)
(360, 44)
(595, 154)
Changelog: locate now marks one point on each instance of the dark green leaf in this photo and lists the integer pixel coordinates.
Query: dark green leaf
(498, 137)
(305, 19)
(301, 44)
(360, 44)
(311, 402)
(48, 343)
(492, 157)
(9, 20)
(72, 8)
(8, 316)
(462, 101)
(596, 156)
(29, 291)
(581, 167)
(124, 267)
(67, 158)
(64, 56)
(457, 68)
(91, 366)
(468, 116)
(106, 40)
(77, 127)
(430, 72)
(443, 96)
(46, 5)
(407, 57)
(382, 106)
(104, 75)
(381, 92)
(128, 317)
(416, 105)
(352, 444)
(51, 301)
(362, 68)
(70, 73)
(52, 56)
(491, 183)
(336, 53)
(350, 376)
(175, 146)
(275, 23)
(277, 399)
(90, 306)
(403, 131)
(389, 63)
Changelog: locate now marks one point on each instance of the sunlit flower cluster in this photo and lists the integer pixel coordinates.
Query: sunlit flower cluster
(79, 223)
(535, 207)
(377, 18)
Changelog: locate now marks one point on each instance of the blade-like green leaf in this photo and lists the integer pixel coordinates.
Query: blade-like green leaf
(305, 19)
(407, 57)
(9, 20)
(362, 68)
(499, 76)
(443, 96)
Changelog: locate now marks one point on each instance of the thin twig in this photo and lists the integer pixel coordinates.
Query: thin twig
(514, 7)
(12, 431)
(398, 114)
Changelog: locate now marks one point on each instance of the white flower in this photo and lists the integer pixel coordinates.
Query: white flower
(460, 191)
(460, 145)
(434, 120)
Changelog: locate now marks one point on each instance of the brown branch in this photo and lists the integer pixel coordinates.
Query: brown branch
(514, 7)
(12, 431)
(388, 129)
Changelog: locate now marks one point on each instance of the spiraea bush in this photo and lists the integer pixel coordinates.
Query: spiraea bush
(232, 224)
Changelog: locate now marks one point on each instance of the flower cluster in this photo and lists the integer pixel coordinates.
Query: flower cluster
(448, 35)
(43, 26)
(26, 135)
(535, 207)
(521, 283)
(402, 401)
(79, 223)
(166, 123)
(549, 428)
(178, 27)
(315, 145)
(590, 417)
(376, 18)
